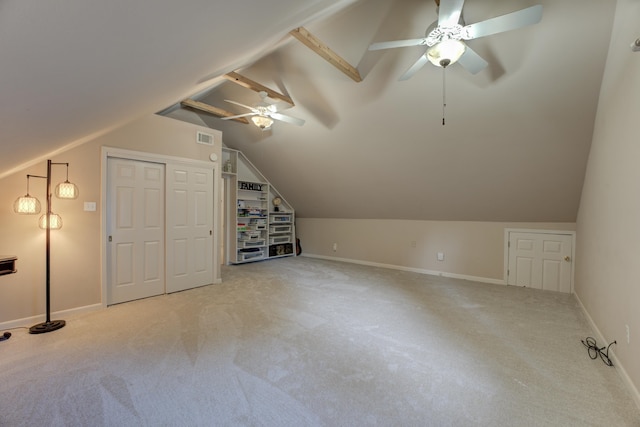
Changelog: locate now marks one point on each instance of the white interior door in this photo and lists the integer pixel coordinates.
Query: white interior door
(135, 228)
(189, 227)
(540, 260)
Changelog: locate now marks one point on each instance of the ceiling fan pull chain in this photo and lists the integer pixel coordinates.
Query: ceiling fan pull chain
(444, 93)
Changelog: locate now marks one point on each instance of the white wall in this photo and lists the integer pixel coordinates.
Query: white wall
(473, 250)
(75, 250)
(608, 225)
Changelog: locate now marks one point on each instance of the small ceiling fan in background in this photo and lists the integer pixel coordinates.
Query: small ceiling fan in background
(263, 114)
(444, 38)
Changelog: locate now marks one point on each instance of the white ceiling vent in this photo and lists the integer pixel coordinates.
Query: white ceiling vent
(204, 138)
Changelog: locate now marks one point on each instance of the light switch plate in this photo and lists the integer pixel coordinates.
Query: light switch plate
(90, 206)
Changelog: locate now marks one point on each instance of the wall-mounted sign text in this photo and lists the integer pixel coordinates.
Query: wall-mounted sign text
(250, 186)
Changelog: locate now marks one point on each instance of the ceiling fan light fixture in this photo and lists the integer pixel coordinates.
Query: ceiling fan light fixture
(446, 52)
(263, 122)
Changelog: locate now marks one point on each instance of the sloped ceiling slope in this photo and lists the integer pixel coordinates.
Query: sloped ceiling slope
(516, 138)
(72, 69)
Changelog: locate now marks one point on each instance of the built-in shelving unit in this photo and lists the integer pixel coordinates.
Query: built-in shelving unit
(259, 222)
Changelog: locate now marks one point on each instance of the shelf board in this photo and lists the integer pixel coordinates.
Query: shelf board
(281, 256)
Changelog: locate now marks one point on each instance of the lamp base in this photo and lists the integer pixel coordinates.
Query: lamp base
(45, 327)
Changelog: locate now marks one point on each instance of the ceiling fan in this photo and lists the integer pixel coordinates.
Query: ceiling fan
(444, 38)
(263, 114)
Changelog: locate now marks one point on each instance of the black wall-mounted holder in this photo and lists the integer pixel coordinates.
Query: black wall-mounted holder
(8, 264)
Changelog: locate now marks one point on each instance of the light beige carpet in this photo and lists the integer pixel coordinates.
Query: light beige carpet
(304, 342)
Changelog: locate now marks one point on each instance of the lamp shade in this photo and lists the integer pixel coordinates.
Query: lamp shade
(446, 52)
(66, 190)
(27, 205)
(263, 122)
(54, 219)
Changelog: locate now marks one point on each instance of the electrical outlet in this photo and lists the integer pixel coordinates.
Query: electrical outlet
(628, 334)
(413, 243)
(440, 256)
(335, 247)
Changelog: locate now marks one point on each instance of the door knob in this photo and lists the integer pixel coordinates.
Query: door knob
(567, 258)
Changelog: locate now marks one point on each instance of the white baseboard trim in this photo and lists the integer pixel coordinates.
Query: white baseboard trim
(30, 321)
(411, 269)
(612, 355)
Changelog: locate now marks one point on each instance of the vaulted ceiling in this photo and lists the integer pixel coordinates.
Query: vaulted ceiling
(516, 138)
(72, 69)
(514, 146)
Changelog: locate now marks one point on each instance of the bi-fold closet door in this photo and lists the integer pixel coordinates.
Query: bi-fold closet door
(159, 226)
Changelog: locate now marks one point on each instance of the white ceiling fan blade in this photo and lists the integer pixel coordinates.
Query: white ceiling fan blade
(414, 68)
(279, 106)
(508, 22)
(239, 115)
(449, 12)
(242, 105)
(288, 119)
(398, 43)
(472, 62)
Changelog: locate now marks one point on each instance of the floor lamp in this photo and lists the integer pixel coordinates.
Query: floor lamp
(29, 205)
